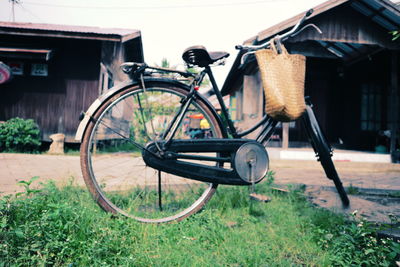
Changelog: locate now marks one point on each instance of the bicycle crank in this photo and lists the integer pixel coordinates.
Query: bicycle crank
(222, 161)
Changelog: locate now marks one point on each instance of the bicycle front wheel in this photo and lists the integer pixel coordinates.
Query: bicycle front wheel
(112, 163)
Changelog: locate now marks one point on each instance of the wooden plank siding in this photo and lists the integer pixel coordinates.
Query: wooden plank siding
(82, 63)
(345, 24)
(55, 101)
(352, 72)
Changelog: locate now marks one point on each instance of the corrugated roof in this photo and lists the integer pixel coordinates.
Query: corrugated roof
(382, 12)
(68, 31)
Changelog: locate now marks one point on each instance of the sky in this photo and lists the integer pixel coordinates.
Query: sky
(167, 27)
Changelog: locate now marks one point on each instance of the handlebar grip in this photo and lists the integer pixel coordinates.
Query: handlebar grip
(238, 47)
(309, 12)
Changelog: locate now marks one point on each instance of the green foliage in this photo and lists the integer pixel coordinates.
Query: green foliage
(396, 35)
(165, 63)
(64, 227)
(19, 135)
(356, 243)
(352, 190)
(27, 185)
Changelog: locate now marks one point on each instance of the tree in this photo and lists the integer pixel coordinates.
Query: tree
(206, 84)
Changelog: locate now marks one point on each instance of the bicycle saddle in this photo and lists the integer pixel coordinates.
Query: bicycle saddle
(199, 56)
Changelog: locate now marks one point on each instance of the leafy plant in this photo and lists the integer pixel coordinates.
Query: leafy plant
(19, 135)
(396, 35)
(352, 190)
(27, 186)
(356, 243)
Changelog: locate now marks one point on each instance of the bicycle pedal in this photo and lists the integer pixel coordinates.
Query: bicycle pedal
(260, 198)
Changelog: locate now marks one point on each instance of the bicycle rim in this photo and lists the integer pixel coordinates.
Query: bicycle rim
(112, 163)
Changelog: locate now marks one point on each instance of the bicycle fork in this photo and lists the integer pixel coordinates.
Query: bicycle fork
(323, 152)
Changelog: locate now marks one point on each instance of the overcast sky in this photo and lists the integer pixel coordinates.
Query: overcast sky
(167, 27)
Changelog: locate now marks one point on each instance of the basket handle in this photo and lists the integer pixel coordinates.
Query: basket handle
(278, 47)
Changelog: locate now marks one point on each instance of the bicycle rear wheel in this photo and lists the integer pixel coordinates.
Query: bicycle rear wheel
(112, 163)
(324, 153)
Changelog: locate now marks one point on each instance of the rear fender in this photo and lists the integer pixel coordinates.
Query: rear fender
(122, 86)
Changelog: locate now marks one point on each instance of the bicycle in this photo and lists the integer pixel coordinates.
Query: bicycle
(139, 159)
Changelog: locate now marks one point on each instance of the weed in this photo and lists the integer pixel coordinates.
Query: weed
(27, 186)
(356, 243)
(351, 190)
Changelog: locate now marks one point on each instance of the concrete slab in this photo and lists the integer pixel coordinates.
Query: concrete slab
(338, 155)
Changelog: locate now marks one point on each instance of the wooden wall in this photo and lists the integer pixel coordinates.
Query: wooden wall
(55, 101)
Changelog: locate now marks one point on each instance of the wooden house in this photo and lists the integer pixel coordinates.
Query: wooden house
(58, 71)
(352, 75)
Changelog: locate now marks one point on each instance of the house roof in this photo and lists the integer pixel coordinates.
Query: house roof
(68, 31)
(381, 12)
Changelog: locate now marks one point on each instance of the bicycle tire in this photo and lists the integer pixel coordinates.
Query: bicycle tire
(108, 155)
(324, 153)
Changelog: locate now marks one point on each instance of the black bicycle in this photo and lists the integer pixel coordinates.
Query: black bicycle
(141, 158)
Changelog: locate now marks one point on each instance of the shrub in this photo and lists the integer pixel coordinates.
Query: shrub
(19, 135)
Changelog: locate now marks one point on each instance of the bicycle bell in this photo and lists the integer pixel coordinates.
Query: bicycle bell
(251, 162)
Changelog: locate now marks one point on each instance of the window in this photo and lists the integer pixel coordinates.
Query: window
(39, 70)
(17, 68)
(106, 79)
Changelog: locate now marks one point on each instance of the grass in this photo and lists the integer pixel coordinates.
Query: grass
(64, 227)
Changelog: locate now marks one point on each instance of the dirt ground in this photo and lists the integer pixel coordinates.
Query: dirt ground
(374, 187)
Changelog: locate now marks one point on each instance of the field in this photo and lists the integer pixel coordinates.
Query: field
(64, 227)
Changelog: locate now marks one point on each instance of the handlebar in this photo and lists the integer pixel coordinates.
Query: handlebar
(278, 38)
(282, 37)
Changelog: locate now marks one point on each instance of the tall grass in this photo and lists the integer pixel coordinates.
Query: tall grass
(64, 227)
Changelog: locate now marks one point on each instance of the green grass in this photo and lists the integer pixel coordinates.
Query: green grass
(64, 227)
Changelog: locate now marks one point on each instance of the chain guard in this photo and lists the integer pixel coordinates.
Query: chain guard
(219, 174)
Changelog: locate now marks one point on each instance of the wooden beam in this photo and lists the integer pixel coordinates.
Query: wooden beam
(111, 37)
(394, 96)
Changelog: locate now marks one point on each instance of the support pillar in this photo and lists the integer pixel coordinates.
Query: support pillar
(285, 135)
(394, 96)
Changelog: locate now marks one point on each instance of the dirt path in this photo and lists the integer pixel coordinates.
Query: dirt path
(375, 186)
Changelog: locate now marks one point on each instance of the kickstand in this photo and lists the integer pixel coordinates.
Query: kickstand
(253, 195)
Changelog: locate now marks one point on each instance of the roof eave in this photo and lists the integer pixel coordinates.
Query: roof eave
(131, 36)
(70, 35)
(292, 21)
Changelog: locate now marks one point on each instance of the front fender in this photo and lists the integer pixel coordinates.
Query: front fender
(121, 86)
(97, 103)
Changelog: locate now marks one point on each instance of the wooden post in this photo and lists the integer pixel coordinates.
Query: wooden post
(285, 135)
(394, 96)
(252, 102)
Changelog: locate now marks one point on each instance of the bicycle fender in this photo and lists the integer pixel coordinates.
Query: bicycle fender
(121, 86)
(96, 104)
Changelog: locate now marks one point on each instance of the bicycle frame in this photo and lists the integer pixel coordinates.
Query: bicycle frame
(267, 123)
(170, 158)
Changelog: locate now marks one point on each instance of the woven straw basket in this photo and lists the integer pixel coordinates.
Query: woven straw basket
(283, 81)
